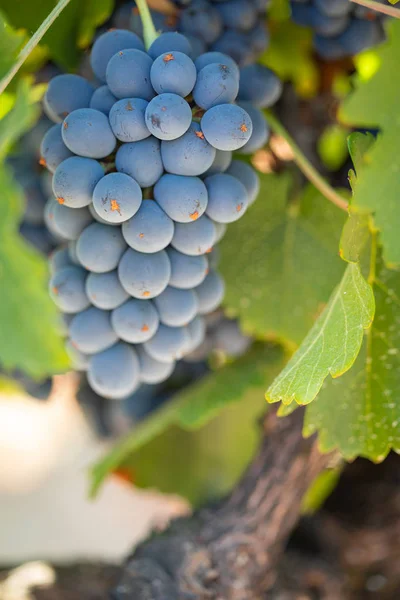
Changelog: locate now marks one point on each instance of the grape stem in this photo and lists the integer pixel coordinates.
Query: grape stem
(149, 31)
(386, 10)
(305, 166)
(32, 43)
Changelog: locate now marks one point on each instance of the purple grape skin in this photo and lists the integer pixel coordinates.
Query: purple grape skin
(141, 160)
(100, 247)
(128, 75)
(105, 291)
(226, 126)
(70, 222)
(150, 230)
(115, 372)
(174, 73)
(261, 131)
(87, 132)
(90, 331)
(67, 289)
(127, 120)
(176, 307)
(209, 58)
(103, 100)
(197, 333)
(227, 198)
(169, 42)
(216, 84)
(52, 149)
(144, 275)
(186, 271)
(75, 179)
(248, 176)
(136, 321)
(117, 197)
(153, 371)
(194, 238)
(168, 116)
(190, 154)
(259, 85)
(210, 293)
(107, 45)
(168, 344)
(66, 93)
(184, 199)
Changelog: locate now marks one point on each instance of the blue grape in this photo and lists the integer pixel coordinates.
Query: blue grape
(186, 271)
(136, 321)
(150, 230)
(328, 26)
(67, 289)
(197, 333)
(173, 73)
(141, 160)
(72, 253)
(168, 344)
(259, 85)
(222, 160)
(59, 259)
(128, 75)
(39, 237)
(361, 35)
(184, 199)
(333, 8)
(228, 338)
(100, 247)
(49, 218)
(258, 39)
(98, 218)
(103, 100)
(210, 293)
(226, 127)
(105, 291)
(153, 371)
(176, 307)
(194, 238)
(235, 44)
(90, 331)
(198, 46)
(227, 198)
(70, 222)
(190, 154)
(201, 19)
(52, 149)
(328, 48)
(209, 58)
(107, 45)
(248, 176)
(261, 131)
(117, 197)
(127, 120)
(114, 373)
(87, 132)
(144, 275)
(168, 116)
(80, 361)
(238, 14)
(169, 42)
(66, 93)
(216, 84)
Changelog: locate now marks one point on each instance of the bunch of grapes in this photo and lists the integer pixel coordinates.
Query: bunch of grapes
(144, 186)
(341, 27)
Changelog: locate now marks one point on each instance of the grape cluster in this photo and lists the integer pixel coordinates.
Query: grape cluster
(144, 186)
(341, 28)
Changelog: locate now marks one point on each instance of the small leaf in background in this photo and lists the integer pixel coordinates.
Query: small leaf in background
(290, 55)
(332, 146)
(232, 392)
(29, 339)
(359, 414)
(332, 345)
(280, 262)
(279, 10)
(375, 104)
(72, 30)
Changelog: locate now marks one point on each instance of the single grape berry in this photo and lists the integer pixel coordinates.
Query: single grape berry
(226, 126)
(117, 197)
(183, 198)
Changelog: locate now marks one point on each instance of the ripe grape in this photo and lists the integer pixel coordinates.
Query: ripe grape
(100, 247)
(226, 126)
(222, 160)
(70, 222)
(168, 344)
(194, 238)
(105, 291)
(227, 198)
(240, 15)
(201, 19)
(174, 73)
(169, 42)
(90, 331)
(191, 154)
(216, 84)
(107, 45)
(259, 85)
(176, 307)
(144, 275)
(150, 230)
(261, 131)
(210, 293)
(197, 332)
(67, 289)
(127, 120)
(141, 160)
(248, 176)
(52, 149)
(114, 373)
(117, 197)
(58, 259)
(103, 100)
(128, 74)
(209, 58)
(186, 271)
(168, 116)
(136, 321)
(87, 132)
(75, 179)
(66, 93)
(153, 371)
(184, 199)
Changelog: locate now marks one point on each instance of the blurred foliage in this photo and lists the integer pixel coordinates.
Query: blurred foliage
(332, 146)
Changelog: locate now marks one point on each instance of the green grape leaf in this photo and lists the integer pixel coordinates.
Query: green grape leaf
(29, 338)
(374, 104)
(355, 235)
(290, 55)
(11, 42)
(195, 407)
(72, 30)
(332, 345)
(359, 414)
(280, 262)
